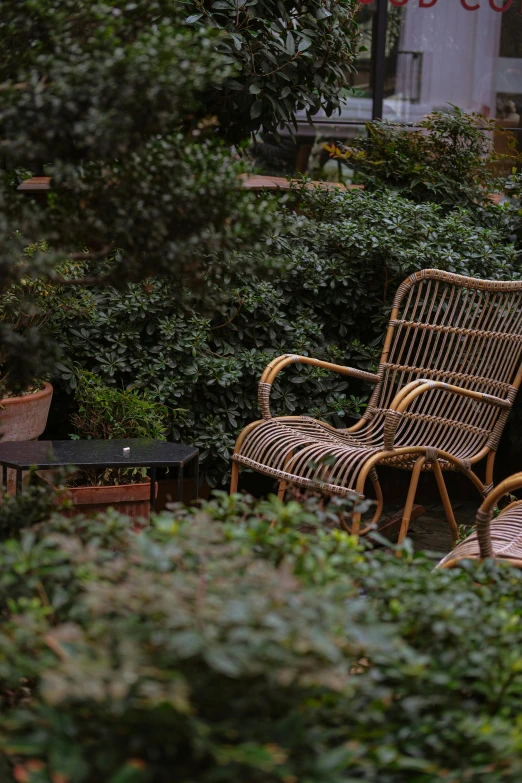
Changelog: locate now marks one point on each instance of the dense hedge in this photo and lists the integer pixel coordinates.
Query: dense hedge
(216, 648)
(342, 258)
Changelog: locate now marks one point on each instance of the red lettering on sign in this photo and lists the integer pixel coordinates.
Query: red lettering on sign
(464, 4)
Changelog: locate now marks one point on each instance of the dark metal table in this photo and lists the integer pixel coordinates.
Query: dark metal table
(133, 453)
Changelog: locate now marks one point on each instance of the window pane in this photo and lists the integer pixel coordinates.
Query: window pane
(447, 54)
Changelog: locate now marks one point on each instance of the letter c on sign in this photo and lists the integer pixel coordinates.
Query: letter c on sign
(424, 4)
(464, 4)
(500, 10)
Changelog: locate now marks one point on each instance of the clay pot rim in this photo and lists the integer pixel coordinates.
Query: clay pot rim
(37, 395)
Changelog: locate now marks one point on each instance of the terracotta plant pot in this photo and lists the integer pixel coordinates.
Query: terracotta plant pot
(130, 499)
(24, 418)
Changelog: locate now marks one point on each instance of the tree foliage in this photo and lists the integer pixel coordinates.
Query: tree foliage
(103, 95)
(118, 101)
(289, 56)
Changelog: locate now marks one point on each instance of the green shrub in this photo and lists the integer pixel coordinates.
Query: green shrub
(215, 647)
(28, 508)
(512, 210)
(105, 412)
(343, 258)
(119, 101)
(102, 94)
(446, 162)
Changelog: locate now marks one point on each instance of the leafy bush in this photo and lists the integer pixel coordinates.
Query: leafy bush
(28, 508)
(223, 648)
(446, 162)
(27, 351)
(98, 91)
(512, 210)
(118, 101)
(343, 258)
(98, 95)
(105, 412)
(289, 56)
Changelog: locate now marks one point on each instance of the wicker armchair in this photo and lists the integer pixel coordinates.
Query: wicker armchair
(500, 539)
(448, 375)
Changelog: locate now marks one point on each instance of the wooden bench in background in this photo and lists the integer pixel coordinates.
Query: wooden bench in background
(252, 182)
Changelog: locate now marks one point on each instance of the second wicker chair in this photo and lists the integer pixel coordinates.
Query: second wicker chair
(500, 539)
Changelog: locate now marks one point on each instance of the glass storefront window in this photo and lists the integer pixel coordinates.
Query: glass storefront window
(465, 53)
(434, 53)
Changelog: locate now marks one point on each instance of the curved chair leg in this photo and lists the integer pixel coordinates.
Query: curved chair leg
(380, 501)
(234, 478)
(414, 481)
(356, 517)
(439, 478)
(239, 442)
(359, 488)
(490, 464)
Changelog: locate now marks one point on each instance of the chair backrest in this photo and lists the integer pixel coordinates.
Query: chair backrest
(461, 330)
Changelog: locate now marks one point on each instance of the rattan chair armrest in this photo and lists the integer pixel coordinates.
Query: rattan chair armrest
(404, 398)
(277, 365)
(485, 512)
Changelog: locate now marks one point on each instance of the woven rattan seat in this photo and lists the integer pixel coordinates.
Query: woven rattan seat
(448, 375)
(501, 538)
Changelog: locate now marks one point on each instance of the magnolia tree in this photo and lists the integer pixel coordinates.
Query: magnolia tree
(136, 109)
(287, 56)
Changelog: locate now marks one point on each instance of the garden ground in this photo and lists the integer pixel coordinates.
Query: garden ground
(431, 531)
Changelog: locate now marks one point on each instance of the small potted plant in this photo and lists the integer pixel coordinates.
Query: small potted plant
(24, 406)
(106, 412)
(24, 401)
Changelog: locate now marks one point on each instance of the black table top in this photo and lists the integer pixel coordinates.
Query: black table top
(46, 454)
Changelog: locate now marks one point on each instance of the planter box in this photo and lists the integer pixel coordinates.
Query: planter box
(133, 500)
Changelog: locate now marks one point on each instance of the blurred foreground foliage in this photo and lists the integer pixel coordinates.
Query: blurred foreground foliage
(250, 641)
